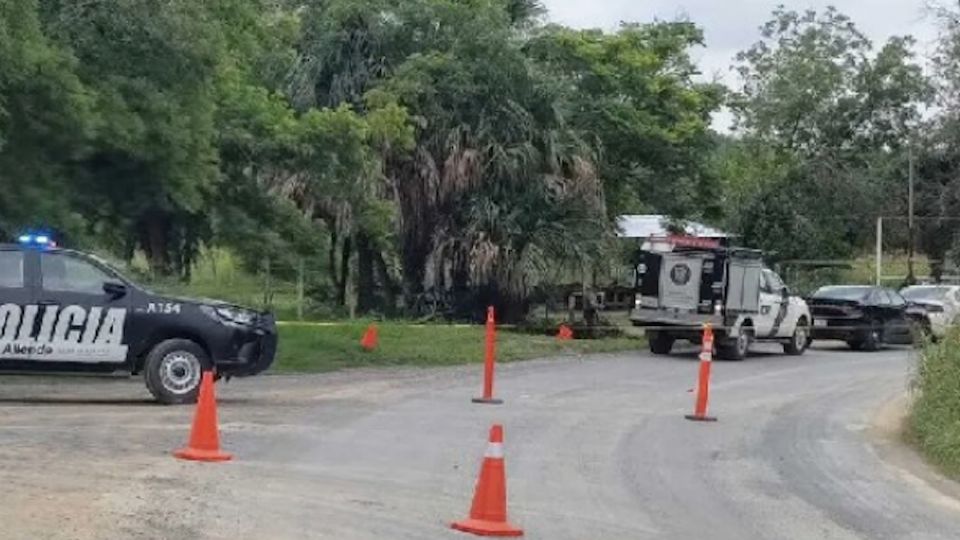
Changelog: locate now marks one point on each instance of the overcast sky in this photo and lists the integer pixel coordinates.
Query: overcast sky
(732, 25)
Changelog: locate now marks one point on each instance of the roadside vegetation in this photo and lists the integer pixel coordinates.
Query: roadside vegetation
(934, 421)
(307, 347)
(381, 155)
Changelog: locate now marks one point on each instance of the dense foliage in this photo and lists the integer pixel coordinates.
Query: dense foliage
(934, 422)
(454, 147)
(824, 120)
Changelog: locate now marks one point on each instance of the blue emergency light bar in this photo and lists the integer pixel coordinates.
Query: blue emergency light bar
(36, 240)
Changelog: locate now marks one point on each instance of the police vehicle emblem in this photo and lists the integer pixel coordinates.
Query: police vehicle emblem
(680, 274)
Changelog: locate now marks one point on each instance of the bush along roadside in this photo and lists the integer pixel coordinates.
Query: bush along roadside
(934, 422)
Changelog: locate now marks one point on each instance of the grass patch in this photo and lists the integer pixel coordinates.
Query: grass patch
(319, 348)
(934, 422)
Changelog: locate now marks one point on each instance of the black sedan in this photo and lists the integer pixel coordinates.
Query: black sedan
(865, 317)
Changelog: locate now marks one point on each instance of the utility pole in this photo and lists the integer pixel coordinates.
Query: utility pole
(911, 277)
(879, 251)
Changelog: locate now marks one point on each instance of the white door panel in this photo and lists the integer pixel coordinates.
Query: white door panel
(770, 305)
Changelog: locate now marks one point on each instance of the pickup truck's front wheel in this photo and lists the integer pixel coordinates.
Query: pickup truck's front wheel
(173, 369)
(801, 339)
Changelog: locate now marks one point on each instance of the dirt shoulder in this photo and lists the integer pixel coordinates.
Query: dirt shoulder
(887, 436)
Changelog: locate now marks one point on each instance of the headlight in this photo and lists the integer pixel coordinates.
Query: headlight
(229, 314)
(637, 302)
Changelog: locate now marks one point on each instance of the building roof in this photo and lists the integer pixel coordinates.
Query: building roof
(655, 226)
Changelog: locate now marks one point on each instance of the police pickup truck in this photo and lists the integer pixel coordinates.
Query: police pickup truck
(679, 291)
(63, 311)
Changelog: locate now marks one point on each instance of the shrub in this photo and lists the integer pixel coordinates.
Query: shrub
(934, 423)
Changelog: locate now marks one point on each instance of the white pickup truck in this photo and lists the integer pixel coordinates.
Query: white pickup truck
(679, 291)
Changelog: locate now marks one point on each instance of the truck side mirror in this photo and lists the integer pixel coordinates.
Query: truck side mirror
(785, 291)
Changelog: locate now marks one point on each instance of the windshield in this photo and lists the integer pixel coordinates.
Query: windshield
(925, 293)
(843, 293)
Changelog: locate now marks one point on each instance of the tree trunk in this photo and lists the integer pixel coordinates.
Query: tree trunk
(154, 240)
(332, 258)
(414, 269)
(463, 299)
(345, 252)
(388, 286)
(366, 285)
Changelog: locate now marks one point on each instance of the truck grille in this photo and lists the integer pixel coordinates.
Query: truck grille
(830, 311)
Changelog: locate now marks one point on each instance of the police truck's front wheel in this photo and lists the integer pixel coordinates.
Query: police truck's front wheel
(801, 339)
(173, 369)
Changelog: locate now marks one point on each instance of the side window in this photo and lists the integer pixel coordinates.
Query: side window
(896, 300)
(773, 281)
(11, 270)
(63, 273)
(883, 298)
(766, 284)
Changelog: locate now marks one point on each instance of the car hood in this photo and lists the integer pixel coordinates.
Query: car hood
(926, 303)
(212, 302)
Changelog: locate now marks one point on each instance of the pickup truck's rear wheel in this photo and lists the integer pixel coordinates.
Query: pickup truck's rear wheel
(173, 369)
(737, 348)
(660, 342)
(800, 340)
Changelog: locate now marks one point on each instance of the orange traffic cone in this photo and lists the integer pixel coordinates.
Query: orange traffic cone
(564, 333)
(488, 514)
(703, 381)
(204, 442)
(371, 338)
(489, 360)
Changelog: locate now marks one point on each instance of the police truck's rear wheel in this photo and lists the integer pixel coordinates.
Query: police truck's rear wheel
(737, 348)
(660, 342)
(173, 369)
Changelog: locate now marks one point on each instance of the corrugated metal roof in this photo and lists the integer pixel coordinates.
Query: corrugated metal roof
(655, 225)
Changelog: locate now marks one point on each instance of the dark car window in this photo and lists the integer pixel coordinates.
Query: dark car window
(11, 269)
(843, 293)
(65, 273)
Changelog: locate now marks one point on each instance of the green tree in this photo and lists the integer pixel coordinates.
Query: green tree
(835, 118)
(151, 167)
(938, 155)
(632, 93)
(46, 118)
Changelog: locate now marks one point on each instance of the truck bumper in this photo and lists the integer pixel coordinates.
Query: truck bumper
(248, 351)
(658, 317)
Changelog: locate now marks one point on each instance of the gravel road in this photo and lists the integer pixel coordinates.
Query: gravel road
(596, 449)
